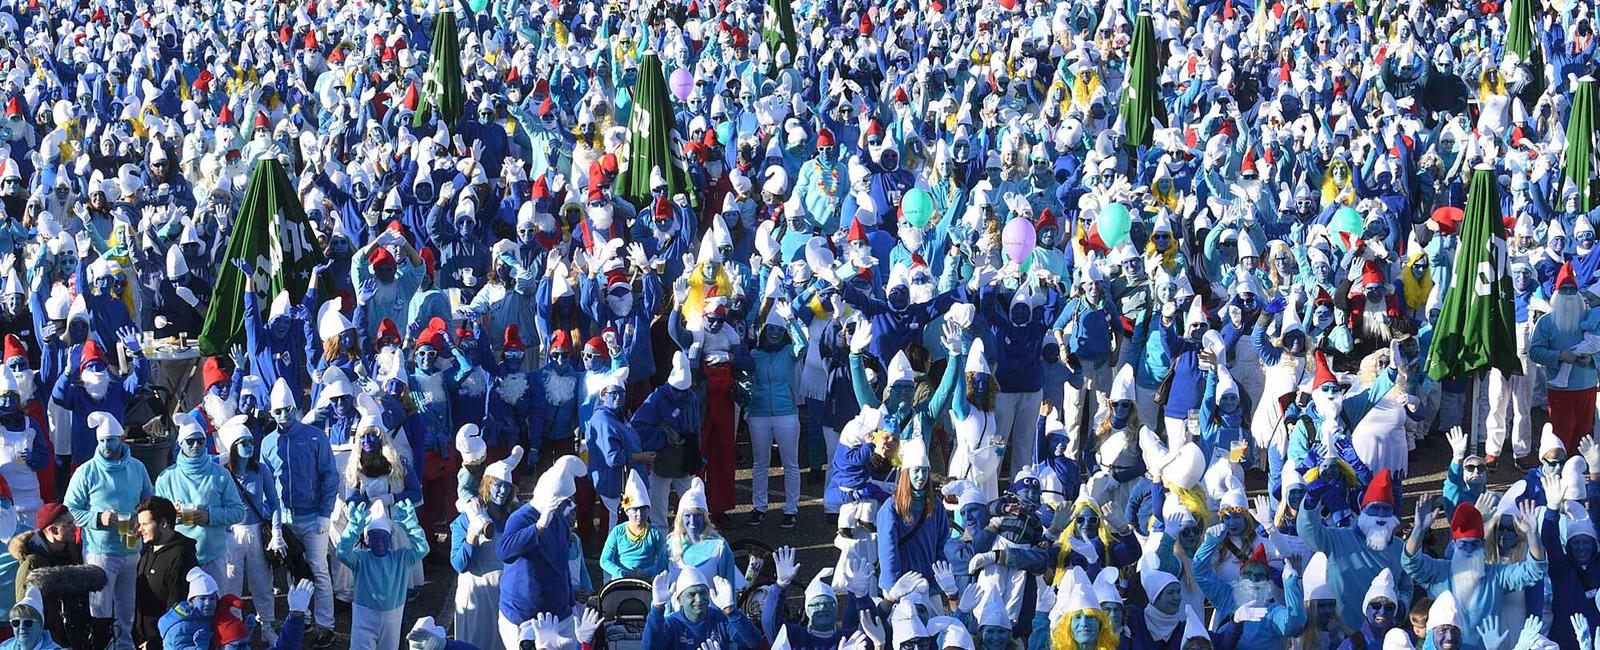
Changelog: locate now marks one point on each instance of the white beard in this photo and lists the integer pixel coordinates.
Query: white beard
(389, 362)
(472, 385)
(559, 389)
(1467, 571)
(1252, 593)
(599, 217)
(1374, 320)
(25, 387)
(511, 388)
(217, 409)
(1567, 311)
(432, 386)
(1378, 532)
(97, 384)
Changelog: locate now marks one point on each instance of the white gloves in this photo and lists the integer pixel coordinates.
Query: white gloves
(908, 583)
(276, 543)
(783, 309)
(587, 624)
(300, 596)
(546, 631)
(873, 628)
(862, 338)
(721, 593)
(981, 561)
(661, 590)
(785, 565)
(945, 576)
(1458, 444)
(1590, 452)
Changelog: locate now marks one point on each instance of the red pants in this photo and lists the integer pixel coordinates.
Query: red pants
(716, 440)
(1572, 415)
(438, 491)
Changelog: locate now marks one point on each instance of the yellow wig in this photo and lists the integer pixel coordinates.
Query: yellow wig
(1061, 633)
(1071, 533)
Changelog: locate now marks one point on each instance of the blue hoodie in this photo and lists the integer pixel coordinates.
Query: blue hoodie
(200, 481)
(100, 485)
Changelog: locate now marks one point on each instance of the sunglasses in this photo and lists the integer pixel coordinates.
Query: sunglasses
(1384, 606)
(24, 623)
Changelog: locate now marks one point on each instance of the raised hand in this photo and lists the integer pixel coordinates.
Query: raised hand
(1590, 452)
(1261, 511)
(873, 628)
(908, 583)
(369, 288)
(1490, 632)
(661, 590)
(722, 593)
(1555, 494)
(129, 337)
(783, 560)
(587, 624)
(945, 576)
(300, 596)
(1458, 443)
(862, 338)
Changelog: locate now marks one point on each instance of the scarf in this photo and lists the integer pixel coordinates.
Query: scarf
(1162, 624)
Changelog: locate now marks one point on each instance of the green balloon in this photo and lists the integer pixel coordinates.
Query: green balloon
(917, 207)
(1113, 224)
(1346, 220)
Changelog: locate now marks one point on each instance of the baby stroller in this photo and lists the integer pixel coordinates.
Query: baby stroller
(624, 605)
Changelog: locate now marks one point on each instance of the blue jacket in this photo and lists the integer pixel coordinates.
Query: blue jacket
(259, 495)
(774, 617)
(668, 408)
(612, 444)
(1358, 565)
(70, 394)
(641, 357)
(674, 632)
(537, 579)
(1283, 620)
(273, 357)
(201, 482)
(302, 466)
(1014, 350)
(380, 582)
(182, 628)
(772, 376)
(1570, 583)
(100, 485)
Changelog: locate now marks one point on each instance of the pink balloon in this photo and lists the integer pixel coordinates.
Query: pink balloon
(682, 83)
(1018, 239)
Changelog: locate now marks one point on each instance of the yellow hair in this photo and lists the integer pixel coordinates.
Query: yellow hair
(1194, 500)
(1333, 192)
(1065, 541)
(694, 305)
(1061, 633)
(1485, 88)
(1415, 291)
(1084, 91)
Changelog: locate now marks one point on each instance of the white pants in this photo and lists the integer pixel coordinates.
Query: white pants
(1079, 406)
(115, 601)
(661, 490)
(785, 429)
(247, 567)
(373, 629)
(1016, 415)
(316, 544)
(611, 505)
(511, 633)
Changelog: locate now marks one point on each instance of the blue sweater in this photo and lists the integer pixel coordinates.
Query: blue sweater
(772, 378)
(911, 546)
(537, 579)
(612, 444)
(70, 394)
(100, 485)
(675, 632)
(201, 482)
(668, 408)
(380, 582)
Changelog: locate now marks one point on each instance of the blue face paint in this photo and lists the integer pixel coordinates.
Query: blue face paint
(378, 542)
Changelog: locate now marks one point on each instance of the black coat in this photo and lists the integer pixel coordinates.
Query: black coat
(163, 581)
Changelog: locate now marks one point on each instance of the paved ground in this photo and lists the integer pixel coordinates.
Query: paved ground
(813, 536)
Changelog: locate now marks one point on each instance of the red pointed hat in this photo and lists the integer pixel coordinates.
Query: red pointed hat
(1324, 375)
(825, 137)
(411, 98)
(14, 347)
(91, 352)
(857, 232)
(1258, 556)
(388, 332)
(1370, 273)
(1565, 276)
(1380, 490)
(1466, 523)
(513, 338)
(560, 341)
(599, 346)
(1046, 220)
(213, 372)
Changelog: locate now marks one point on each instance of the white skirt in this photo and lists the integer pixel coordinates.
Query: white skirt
(478, 609)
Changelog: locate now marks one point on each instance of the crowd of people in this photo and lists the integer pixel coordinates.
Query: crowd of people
(1031, 290)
